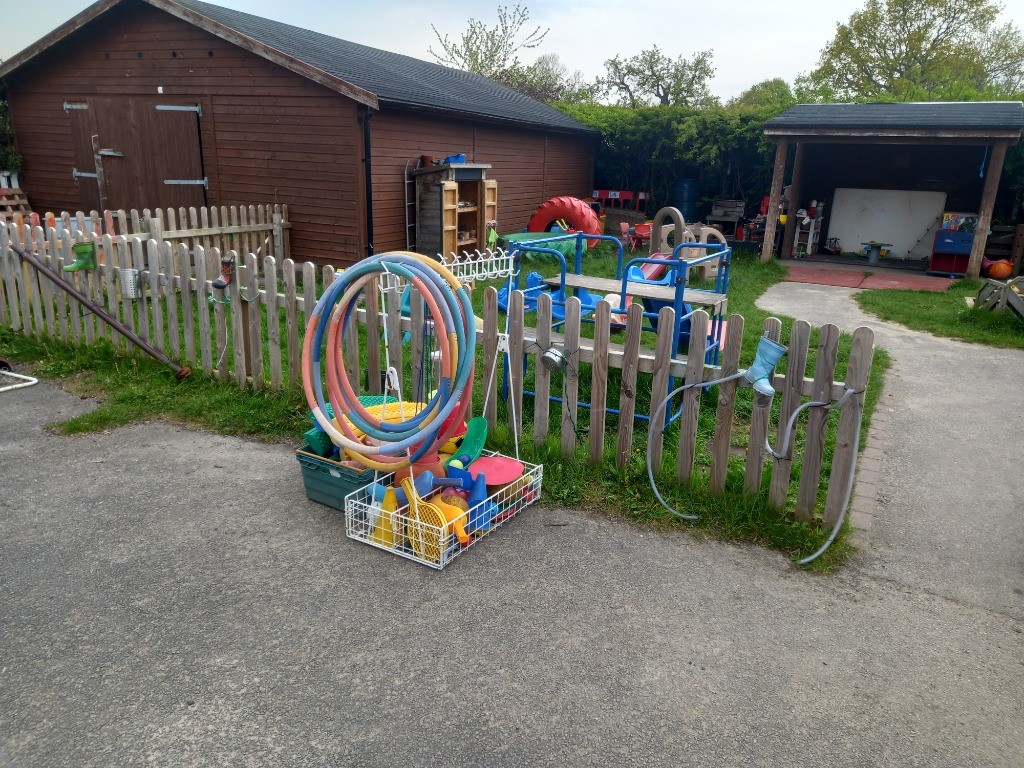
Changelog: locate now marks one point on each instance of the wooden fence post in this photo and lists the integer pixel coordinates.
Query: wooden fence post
(170, 292)
(418, 353)
(8, 262)
(46, 288)
(627, 390)
(188, 307)
(155, 298)
(273, 320)
(60, 298)
(664, 353)
(516, 372)
(817, 421)
(372, 298)
(542, 376)
(721, 442)
(108, 268)
(239, 325)
(858, 371)
(599, 380)
(490, 357)
(796, 364)
(393, 324)
(203, 310)
(291, 320)
(571, 376)
(253, 312)
(695, 358)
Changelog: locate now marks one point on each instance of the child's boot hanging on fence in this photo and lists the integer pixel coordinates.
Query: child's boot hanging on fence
(227, 273)
(85, 257)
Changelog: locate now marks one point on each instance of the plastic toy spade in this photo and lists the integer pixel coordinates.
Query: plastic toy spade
(765, 359)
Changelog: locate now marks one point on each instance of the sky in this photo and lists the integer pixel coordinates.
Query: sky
(753, 40)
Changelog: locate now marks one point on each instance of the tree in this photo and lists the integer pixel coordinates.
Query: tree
(548, 80)
(774, 94)
(489, 51)
(913, 50)
(9, 159)
(652, 78)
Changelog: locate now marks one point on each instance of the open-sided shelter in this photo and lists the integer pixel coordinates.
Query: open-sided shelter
(888, 172)
(178, 103)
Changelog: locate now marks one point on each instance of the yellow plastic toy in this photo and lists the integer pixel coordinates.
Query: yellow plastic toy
(384, 531)
(455, 515)
(426, 525)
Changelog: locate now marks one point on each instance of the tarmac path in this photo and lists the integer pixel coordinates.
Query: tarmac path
(170, 597)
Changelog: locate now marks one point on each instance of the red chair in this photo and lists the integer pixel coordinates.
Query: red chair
(641, 234)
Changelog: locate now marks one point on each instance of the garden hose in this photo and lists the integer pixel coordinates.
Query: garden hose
(786, 439)
(767, 357)
(396, 444)
(656, 419)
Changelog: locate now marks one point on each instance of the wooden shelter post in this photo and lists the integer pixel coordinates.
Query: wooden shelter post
(771, 219)
(794, 202)
(988, 201)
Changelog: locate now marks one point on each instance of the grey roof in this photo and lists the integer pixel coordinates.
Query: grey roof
(395, 79)
(973, 116)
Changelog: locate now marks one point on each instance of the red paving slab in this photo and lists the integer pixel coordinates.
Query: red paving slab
(910, 282)
(845, 278)
(851, 278)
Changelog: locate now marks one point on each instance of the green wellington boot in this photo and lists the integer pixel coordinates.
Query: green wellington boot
(85, 257)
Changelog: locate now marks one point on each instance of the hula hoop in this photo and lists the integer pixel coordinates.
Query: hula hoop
(400, 443)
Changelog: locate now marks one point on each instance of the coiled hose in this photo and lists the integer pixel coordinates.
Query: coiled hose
(396, 444)
(787, 437)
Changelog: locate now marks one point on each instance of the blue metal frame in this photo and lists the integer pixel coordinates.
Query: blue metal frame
(677, 272)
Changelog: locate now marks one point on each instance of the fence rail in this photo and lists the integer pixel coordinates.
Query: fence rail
(251, 334)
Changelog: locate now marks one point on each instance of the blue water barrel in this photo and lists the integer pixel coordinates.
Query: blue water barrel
(685, 196)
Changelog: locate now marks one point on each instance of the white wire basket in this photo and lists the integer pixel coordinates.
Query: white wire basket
(489, 264)
(408, 532)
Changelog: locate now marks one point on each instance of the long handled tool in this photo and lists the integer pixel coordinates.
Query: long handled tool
(183, 372)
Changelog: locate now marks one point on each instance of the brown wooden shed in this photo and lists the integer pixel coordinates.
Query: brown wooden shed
(193, 104)
(952, 149)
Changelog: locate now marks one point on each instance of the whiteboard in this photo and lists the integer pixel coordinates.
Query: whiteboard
(906, 218)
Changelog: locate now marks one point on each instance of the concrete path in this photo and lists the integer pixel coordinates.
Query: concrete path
(951, 498)
(169, 597)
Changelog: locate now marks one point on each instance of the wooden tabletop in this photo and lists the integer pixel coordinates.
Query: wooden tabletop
(641, 290)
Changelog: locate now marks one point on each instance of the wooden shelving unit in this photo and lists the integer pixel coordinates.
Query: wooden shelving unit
(453, 205)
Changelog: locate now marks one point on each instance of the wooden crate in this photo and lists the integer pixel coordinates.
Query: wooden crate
(13, 201)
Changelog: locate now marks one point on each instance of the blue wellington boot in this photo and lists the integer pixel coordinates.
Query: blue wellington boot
(767, 357)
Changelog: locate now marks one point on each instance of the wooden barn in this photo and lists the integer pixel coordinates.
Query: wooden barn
(171, 103)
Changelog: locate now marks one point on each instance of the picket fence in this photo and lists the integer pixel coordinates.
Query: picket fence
(259, 229)
(225, 338)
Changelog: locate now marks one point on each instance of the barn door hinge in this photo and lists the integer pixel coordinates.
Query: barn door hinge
(180, 108)
(77, 174)
(69, 105)
(203, 182)
(110, 153)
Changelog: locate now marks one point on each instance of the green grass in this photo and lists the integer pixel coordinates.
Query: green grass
(137, 388)
(946, 314)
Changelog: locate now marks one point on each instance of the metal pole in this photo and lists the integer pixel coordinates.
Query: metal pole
(183, 372)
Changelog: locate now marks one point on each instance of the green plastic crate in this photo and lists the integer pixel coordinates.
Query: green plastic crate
(329, 482)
